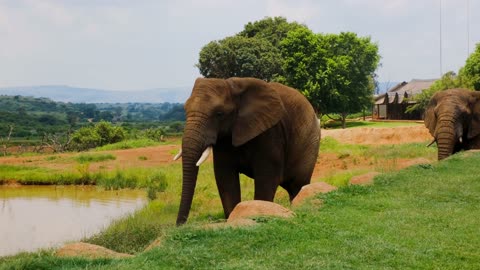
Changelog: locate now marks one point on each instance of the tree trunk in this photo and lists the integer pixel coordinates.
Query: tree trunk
(344, 120)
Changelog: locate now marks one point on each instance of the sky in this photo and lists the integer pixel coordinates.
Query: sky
(146, 44)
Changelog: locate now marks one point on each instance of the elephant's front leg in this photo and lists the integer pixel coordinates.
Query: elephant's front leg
(227, 178)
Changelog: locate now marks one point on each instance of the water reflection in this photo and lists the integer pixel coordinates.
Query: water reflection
(33, 217)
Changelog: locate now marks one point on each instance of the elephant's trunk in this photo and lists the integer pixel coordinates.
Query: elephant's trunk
(446, 138)
(193, 144)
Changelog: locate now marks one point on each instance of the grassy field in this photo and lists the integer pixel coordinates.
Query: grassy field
(423, 217)
(163, 183)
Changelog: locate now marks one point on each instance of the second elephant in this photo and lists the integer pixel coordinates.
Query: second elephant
(453, 118)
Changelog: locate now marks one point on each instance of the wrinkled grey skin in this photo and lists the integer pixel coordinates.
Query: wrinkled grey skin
(453, 118)
(266, 131)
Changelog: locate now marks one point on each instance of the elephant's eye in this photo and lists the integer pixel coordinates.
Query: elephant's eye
(219, 114)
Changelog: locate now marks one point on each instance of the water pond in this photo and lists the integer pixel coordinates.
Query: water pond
(34, 217)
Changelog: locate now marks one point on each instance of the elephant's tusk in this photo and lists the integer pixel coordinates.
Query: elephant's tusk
(177, 156)
(431, 143)
(204, 156)
(460, 139)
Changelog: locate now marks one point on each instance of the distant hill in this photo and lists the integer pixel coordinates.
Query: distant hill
(87, 95)
(64, 93)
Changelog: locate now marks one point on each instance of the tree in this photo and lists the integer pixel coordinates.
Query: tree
(470, 73)
(334, 71)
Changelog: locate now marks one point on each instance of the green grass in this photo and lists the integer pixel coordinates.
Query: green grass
(377, 124)
(381, 152)
(330, 145)
(129, 144)
(88, 157)
(423, 217)
(116, 179)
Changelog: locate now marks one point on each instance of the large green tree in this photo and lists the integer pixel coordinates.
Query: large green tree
(334, 71)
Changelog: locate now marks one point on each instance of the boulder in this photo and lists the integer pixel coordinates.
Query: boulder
(257, 208)
(364, 179)
(90, 251)
(309, 191)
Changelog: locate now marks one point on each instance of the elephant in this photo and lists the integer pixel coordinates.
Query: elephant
(453, 118)
(265, 130)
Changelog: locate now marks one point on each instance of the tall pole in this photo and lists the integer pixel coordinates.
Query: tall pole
(468, 28)
(441, 64)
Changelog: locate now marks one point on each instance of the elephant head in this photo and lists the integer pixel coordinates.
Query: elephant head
(236, 108)
(453, 118)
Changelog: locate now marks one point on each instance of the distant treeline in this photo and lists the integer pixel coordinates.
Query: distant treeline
(33, 117)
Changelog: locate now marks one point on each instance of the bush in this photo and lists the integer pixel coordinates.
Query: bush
(154, 134)
(101, 134)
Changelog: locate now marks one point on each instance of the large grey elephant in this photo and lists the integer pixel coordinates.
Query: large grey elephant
(453, 119)
(267, 131)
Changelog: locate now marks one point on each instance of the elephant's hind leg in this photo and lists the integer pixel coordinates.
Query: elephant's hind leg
(294, 185)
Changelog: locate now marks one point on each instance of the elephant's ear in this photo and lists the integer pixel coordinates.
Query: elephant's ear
(474, 129)
(430, 118)
(259, 108)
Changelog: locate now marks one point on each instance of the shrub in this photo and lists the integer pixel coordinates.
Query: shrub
(101, 134)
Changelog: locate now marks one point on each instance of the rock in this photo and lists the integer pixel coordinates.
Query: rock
(90, 251)
(364, 179)
(256, 208)
(309, 191)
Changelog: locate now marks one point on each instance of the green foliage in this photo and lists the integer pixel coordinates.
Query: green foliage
(254, 52)
(86, 158)
(154, 134)
(34, 117)
(272, 29)
(176, 127)
(156, 182)
(239, 56)
(303, 57)
(334, 71)
(471, 71)
(100, 134)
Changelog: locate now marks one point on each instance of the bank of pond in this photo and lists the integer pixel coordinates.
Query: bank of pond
(34, 217)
